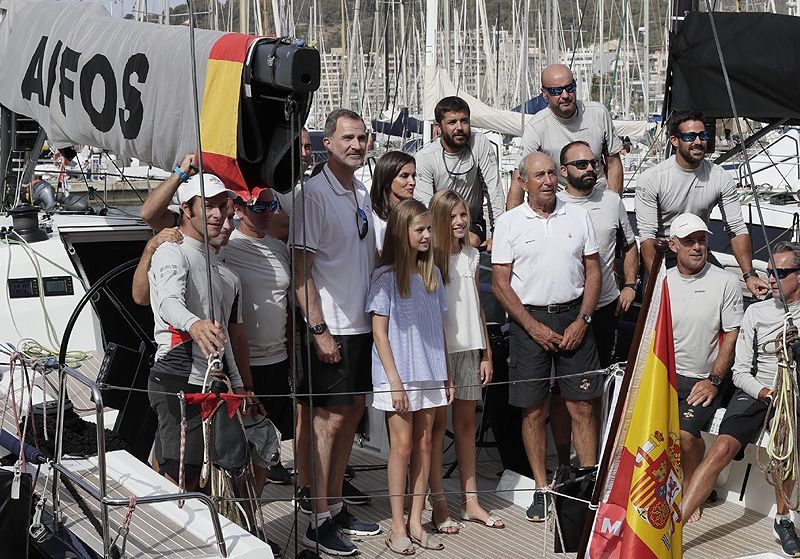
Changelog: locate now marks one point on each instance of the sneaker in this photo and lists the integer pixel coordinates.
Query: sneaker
(352, 526)
(278, 474)
(302, 499)
(329, 538)
(540, 507)
(786, 535)
(354, 496)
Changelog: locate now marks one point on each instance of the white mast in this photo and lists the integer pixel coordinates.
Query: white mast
(431, 16)
(646, 72)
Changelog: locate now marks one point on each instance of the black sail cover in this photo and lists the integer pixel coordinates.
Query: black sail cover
(762, 55)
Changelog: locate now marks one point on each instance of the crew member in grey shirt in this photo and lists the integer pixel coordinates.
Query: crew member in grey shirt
(754, 371)
(686, 182)
(183, 304)
(565, 120)
(707, 308)
(463, 161)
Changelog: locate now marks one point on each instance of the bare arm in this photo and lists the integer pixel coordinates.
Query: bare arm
(615, 174)
(704, 391)
(141, 284)
(154, 210)
(501, 284)
(573, 334)
(516, 194)
(648, 247)
(380, 334)
(308, 300)
(487, 366)
(630, 269)
(740, 245)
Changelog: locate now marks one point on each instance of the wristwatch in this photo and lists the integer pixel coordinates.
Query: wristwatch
(318, 329)
(715, 380)
(748, 275)
(587, 318)
(635, 285)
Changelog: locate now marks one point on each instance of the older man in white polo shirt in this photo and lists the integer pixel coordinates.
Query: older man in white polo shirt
(547, 275)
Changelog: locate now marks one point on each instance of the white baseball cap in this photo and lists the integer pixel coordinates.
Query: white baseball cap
(211, 184)
(686, 224)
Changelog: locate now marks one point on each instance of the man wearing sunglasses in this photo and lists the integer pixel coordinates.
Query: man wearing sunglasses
(754, 370)
(463, 161)
(686, 182)
(262, 264)
(565, 120)
(707, 309)
(333, 251)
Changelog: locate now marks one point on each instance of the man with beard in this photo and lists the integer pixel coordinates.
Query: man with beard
(568, 119)
(333, 251)
(707, 310)
(463, 161)
(686, 182)
(546, 274)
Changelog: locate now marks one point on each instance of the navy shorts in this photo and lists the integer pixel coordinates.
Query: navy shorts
(744, 418)
(529, 364)
(332, 383)
(694, 418)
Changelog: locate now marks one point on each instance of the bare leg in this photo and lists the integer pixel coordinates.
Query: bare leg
(782, 506)
(401, 427)
(561, 426)
(420, 468)
(705, 475)
(259, 479)
(440, 511)
(535, 440)
(464, 427)
(302, 444)
(342, 447)
(328, 425)
(692, 450)
(584, 430)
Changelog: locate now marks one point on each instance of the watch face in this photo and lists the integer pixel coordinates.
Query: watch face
(715, 380)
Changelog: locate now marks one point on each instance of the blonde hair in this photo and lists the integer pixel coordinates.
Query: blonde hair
(396, 255)
(442, 205)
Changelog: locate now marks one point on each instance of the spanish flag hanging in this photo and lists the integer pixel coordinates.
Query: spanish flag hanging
(639, 514)
(220, 112)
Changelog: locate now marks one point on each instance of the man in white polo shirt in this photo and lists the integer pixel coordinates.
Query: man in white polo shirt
(707, 309)
(547, 275)
(334, 249)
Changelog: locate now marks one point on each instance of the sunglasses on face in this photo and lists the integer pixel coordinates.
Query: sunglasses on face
(557, 91)
(260, 206)
(362, 223)
(689, 137)
(781, 273)
(583, 164)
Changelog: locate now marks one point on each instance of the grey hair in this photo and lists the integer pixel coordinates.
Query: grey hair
(523, 167)
(333, 119)
(788, 246)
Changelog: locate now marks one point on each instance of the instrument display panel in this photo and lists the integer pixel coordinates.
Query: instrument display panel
(54, 286)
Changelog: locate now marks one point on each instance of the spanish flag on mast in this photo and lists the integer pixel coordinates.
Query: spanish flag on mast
(639, 515)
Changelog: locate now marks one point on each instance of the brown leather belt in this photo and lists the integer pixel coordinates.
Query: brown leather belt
(556, 307)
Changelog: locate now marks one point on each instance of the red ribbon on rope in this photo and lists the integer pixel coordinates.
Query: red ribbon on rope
(209, 402)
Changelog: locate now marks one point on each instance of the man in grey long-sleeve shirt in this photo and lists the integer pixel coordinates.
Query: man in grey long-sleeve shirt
(457, 161)
(687, 183)
(182, 300)
(754, 371)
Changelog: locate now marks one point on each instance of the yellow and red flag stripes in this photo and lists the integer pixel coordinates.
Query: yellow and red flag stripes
(640, 517)
(219, 115)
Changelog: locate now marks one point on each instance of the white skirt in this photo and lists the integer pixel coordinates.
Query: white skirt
(421, 395)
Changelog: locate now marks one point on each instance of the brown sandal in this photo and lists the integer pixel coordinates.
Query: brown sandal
(402, 547)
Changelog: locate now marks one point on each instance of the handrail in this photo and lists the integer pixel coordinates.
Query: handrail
(100, 494)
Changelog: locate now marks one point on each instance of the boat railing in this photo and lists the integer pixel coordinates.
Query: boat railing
(100, 494)
(783, 159)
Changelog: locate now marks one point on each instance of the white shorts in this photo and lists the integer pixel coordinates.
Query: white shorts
(421, 395)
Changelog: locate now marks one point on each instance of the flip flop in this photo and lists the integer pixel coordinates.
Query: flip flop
(402, 546)
(491, 522)
(449, 524)
(425, 542)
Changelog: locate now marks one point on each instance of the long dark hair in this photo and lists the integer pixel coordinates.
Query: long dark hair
(386, 169)
(396, 255)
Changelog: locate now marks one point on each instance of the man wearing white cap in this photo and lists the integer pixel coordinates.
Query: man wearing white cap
(707, 308)
(183, 305)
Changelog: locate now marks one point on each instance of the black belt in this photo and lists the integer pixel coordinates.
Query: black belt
(556, 307)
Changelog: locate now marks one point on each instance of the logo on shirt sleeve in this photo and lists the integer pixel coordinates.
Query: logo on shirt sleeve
(167, 271)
